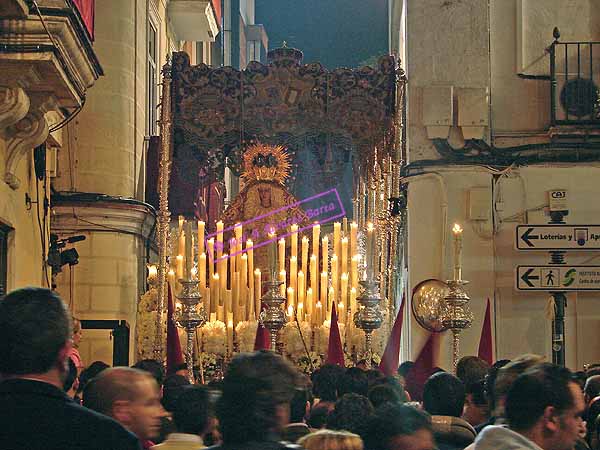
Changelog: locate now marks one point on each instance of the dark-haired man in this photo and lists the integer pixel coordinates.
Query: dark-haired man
(398, 427)
(35, 340)
(544, 409)
(444, 398)
(192, 417)
(255, 403)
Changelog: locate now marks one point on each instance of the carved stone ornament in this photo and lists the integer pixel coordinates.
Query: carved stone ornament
(24, 135)
(14, 105)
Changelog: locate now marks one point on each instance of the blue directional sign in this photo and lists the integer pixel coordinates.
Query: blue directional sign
(558, 237)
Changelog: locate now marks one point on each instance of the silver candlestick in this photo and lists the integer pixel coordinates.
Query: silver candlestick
(368, 317)
(456, 314)
(190, 318)
(273, 317)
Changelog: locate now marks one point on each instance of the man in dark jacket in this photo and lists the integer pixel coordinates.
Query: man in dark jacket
(444, 398)
(35, 339)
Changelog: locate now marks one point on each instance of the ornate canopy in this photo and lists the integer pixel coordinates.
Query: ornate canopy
(344, 116)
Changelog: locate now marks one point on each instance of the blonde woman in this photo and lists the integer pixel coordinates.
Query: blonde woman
(74, 353)
(331, 440)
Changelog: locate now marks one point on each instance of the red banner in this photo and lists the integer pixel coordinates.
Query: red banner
(86, 11)
(216, 4)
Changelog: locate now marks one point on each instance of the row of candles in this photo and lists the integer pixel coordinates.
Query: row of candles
(231, 285)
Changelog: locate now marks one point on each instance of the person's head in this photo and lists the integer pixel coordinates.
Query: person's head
(300, 406)
(91, 372)
(130, 396)
(592, 388)
(318, 415)
(351, 413)
(331, 440)
(35, 331)
(490, 381)
(476, 409)
(257, 391)
(70, 385)
(546, 405)
(354, 381)
(383, 393)
(326, 381)
(471, 368)
(173, 386)
(192, 410)
(508, 374)
(399, 427)
(77, 332)
(153, 367)
(374, 377)
(444, 395)
(403, 370)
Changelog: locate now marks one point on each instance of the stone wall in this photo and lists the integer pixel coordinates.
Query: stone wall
(463, 63)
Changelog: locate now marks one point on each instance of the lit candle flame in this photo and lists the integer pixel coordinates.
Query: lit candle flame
(370, 226)
(457, 229)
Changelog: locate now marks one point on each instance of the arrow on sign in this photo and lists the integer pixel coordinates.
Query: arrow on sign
(527, 236)
(527, 276)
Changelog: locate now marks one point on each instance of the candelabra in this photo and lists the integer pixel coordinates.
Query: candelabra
(368, 317)
(273, 317)
(456, 315)
(189, 318)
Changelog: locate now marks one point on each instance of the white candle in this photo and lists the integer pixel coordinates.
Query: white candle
(189, 258)
(257, 291)
(210, 246)
(353, 238)
(201, 229)
(344, 256)
(202, 270)
(325, 250)
(457, 231)
(305, 255)
(282, 288)
(281, 254)
(316, 233)
(294, 240)
(337, 235)
(219, 243)
(179, 267)
(370, 258)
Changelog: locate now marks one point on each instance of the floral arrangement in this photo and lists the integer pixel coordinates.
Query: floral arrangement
(146, 324)
(303, 362)
(293, 345)
(246, 335)
(214, 338)
(212, 365)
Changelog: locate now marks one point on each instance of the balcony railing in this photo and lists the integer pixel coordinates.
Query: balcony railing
(575, 83)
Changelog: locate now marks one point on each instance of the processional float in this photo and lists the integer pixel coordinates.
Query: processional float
(282, 127)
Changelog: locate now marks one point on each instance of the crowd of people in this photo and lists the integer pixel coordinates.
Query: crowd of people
(48, 400)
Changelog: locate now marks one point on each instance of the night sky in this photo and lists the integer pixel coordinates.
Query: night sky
(336, 33)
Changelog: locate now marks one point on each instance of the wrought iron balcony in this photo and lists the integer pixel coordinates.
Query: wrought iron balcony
(575, 81)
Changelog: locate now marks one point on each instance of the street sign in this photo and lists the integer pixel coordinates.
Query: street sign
(558, 237)
(558, 278)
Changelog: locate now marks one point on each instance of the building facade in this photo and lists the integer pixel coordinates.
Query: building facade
(83, 85)
(501, 110)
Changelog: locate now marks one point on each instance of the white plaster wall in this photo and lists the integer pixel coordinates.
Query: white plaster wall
(24, 246)
(107, 136)
(489, 259)
(447, 45)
